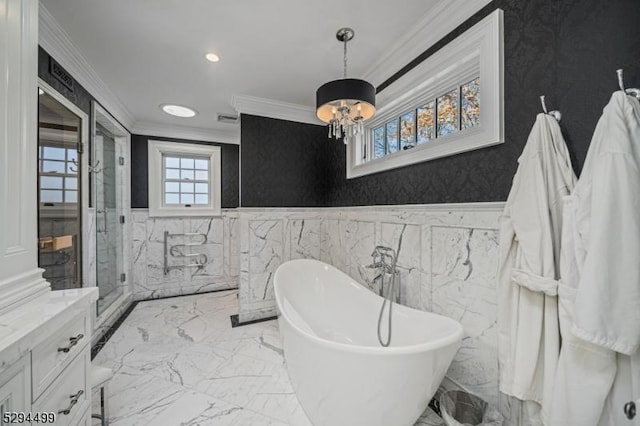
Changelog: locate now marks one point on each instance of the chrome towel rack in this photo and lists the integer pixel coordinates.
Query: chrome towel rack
(179, 251)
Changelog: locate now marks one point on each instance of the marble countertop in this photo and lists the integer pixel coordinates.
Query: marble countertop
(26, 326)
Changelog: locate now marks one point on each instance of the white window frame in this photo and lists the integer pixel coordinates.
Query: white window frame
(478, 52)
(156, 152)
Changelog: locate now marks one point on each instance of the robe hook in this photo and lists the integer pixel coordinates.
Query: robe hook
(555, 114)
(632, 92)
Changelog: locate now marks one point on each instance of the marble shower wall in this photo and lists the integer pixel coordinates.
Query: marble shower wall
(447, 259)
(217, 257)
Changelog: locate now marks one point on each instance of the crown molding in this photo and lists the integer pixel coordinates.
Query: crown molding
(244, 104)
(54, 39)
(185, 132)
(436, 24)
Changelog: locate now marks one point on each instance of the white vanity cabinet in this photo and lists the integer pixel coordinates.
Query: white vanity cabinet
(45, 359)
(15, 395)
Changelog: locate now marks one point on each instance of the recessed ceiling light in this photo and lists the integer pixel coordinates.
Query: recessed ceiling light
(178, 110)
(212, 57)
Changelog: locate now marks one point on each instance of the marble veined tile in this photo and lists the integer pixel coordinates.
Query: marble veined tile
(251, 418)
(333, 247)
(305, 238)
(360, 242)
(465, 254)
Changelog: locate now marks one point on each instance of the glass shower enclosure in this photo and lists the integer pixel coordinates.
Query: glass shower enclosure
(107, 184)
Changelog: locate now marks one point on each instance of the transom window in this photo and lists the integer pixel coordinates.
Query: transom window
(58, 167)
(449, 113)
(437, 109)
(186, 180)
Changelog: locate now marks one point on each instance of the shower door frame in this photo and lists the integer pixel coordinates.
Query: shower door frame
(115, 309)
(85, 279)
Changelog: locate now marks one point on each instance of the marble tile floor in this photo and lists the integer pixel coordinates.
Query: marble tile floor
(178, 361)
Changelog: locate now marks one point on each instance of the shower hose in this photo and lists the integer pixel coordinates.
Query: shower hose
(388, 297)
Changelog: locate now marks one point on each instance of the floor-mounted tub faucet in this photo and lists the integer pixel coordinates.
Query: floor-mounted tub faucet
(384, 261)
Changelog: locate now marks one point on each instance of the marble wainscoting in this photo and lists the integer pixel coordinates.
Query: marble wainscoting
(269, 237)
(447, 260)
(218, 256)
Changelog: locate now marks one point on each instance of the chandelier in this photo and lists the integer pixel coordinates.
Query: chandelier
(345, 104)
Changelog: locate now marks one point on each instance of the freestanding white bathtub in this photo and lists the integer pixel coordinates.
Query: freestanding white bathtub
(341, 374)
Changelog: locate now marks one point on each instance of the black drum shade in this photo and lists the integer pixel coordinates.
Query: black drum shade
(358, 95)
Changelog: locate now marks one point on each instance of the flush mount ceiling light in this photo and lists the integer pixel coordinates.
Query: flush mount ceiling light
(178, 110)
(347, 103)
(212, 57)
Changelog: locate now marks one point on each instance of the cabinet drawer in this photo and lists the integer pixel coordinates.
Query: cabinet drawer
(50, 357)
(72, 385)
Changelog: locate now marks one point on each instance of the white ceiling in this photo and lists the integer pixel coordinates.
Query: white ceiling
(152, 52)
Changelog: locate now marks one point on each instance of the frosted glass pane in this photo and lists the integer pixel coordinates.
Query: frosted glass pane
(172, 162)
(50, 196)
(51, 153)
(186, 187)
(202, 188)
(408, 130)
(172, 174)
(379, 149)
(202, 164)
(71, 196)
(470, 103)
(53, 167)
(186, 198)
(448, 113)
(172, 198)
(50, 182)
(202, 175)
(392, 136)
(186, 175)
(186, 163)
(71, 183)
(426, 122)
(172, 187)
(202, 199)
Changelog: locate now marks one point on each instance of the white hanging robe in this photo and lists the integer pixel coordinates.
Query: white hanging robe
(530, 232)
(599, 294)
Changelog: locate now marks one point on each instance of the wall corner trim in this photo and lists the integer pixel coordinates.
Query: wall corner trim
(425, 33)
(270, 108)
(53, 38)
(185, 132)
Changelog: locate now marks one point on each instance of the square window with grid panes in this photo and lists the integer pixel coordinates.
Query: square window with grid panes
(186, 180)
(449, 113)
(58, 167)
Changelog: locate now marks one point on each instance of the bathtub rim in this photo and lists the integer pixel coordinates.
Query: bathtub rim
(442, 342)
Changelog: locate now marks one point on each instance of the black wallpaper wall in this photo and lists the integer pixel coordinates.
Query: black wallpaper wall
(284, 163)
(567, 50)
(140, 170)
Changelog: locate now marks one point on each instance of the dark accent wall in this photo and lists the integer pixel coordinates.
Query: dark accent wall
(140, 170)
(567, 50)
(284, 163)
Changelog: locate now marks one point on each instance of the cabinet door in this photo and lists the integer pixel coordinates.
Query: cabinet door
(14, 389)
